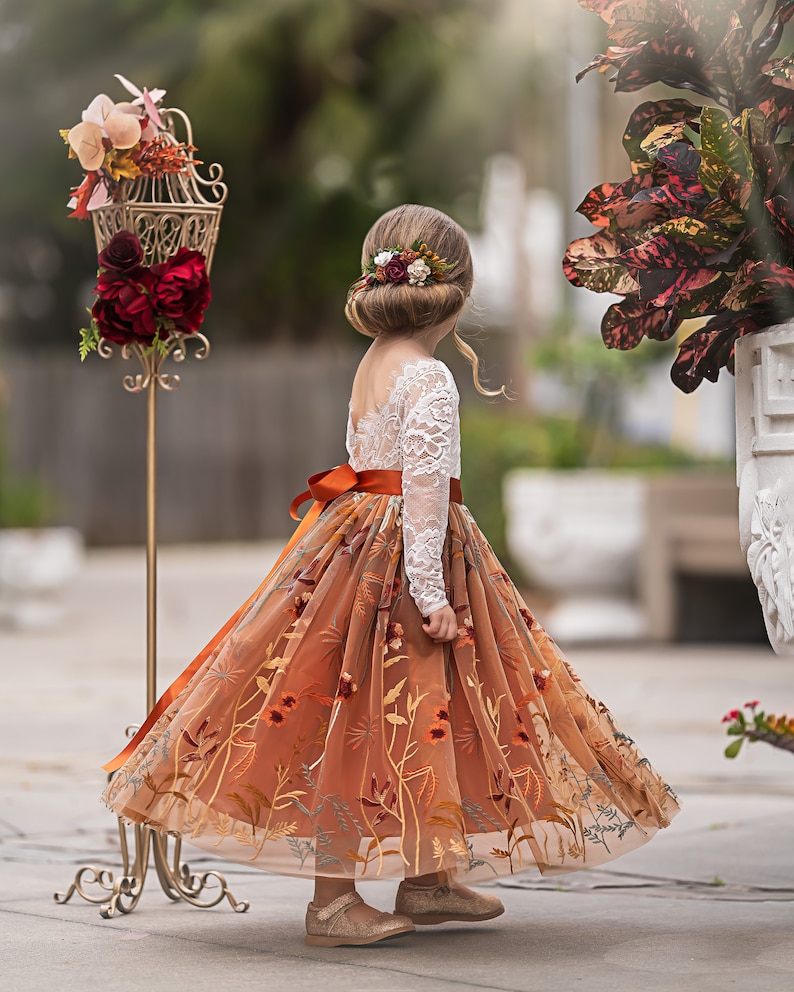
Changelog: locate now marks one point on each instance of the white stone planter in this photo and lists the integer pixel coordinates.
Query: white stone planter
(578, 534)
(35, 565)
(765, 473)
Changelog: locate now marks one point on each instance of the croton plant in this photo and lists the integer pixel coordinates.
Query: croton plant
(704, 225)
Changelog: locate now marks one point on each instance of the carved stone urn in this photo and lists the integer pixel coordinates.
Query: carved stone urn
(765, 473)
(577, 534)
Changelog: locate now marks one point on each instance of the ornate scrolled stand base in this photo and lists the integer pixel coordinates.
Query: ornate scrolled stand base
(175, 877)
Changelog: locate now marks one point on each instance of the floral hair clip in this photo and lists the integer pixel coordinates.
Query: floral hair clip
(417, 265)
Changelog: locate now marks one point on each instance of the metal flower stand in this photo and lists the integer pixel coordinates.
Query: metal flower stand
(166, 214)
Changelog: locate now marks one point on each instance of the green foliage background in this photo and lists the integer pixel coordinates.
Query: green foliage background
(322, 113)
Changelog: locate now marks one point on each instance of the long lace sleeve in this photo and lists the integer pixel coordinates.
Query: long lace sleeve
(430, 447)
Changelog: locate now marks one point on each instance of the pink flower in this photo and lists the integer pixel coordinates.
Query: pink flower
(731, 715)
(752, 704)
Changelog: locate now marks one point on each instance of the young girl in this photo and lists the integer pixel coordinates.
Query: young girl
(385, 705)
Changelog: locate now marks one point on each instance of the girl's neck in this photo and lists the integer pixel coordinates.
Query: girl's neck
(420, 343)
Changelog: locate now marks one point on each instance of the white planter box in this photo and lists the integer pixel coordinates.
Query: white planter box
(35, 565)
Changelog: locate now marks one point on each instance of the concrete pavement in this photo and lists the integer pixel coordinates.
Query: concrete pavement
(708, 905)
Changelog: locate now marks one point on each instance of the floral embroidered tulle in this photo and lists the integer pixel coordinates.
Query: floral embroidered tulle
(323, 733)
(415, 431)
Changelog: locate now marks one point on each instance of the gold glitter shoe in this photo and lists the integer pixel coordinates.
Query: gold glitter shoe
(427, 905)
(329, 925)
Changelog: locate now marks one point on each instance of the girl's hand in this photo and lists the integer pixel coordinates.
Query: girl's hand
(442, 625)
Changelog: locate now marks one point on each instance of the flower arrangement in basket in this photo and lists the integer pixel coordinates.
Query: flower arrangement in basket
(155, 229)
(149, 305)
(118, 141)
(704, 225)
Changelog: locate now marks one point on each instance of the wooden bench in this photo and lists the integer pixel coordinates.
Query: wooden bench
(692, 527)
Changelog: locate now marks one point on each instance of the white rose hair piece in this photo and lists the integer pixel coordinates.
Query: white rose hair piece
(417, 265)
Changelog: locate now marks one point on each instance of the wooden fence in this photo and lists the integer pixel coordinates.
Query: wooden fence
(236, 441)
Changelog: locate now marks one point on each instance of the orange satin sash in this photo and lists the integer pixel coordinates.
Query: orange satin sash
(323, 487)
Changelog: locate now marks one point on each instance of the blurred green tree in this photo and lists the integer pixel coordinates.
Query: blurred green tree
(322, 112)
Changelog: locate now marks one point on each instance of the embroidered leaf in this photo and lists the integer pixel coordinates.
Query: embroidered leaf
(441, 821)
(395, 719)
(538, 788)
(263, 683)
(258, 794)
(394, 693)
(393, 661)
(279, 662)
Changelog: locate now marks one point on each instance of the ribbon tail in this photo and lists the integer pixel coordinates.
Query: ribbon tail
(182, 680)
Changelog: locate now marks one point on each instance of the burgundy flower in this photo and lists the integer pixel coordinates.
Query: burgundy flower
(396, 270)
(124, 311)
(182, 290)
(394, 635)
(527, 617)
(541, 679)
(347, 687)
(122, 252)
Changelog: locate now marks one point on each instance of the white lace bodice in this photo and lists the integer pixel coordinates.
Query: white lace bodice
(416, 431)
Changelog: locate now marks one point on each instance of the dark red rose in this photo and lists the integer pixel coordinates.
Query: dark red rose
(396, 270)
(182, 290)
(122, 252)
(111, 282)
(124, 311)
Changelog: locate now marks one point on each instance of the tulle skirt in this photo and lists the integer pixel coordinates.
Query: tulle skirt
(326, 734)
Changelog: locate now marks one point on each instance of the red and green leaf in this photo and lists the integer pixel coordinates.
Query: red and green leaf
(627, 322)
(781, 212)
(704, 353)
(683, 164)
(720, 212)
(594, 263)
(689, 292)
(695, 231)
(673, 59)
(718, 137)
(593, 205)
(662, 252)
(646, 118)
